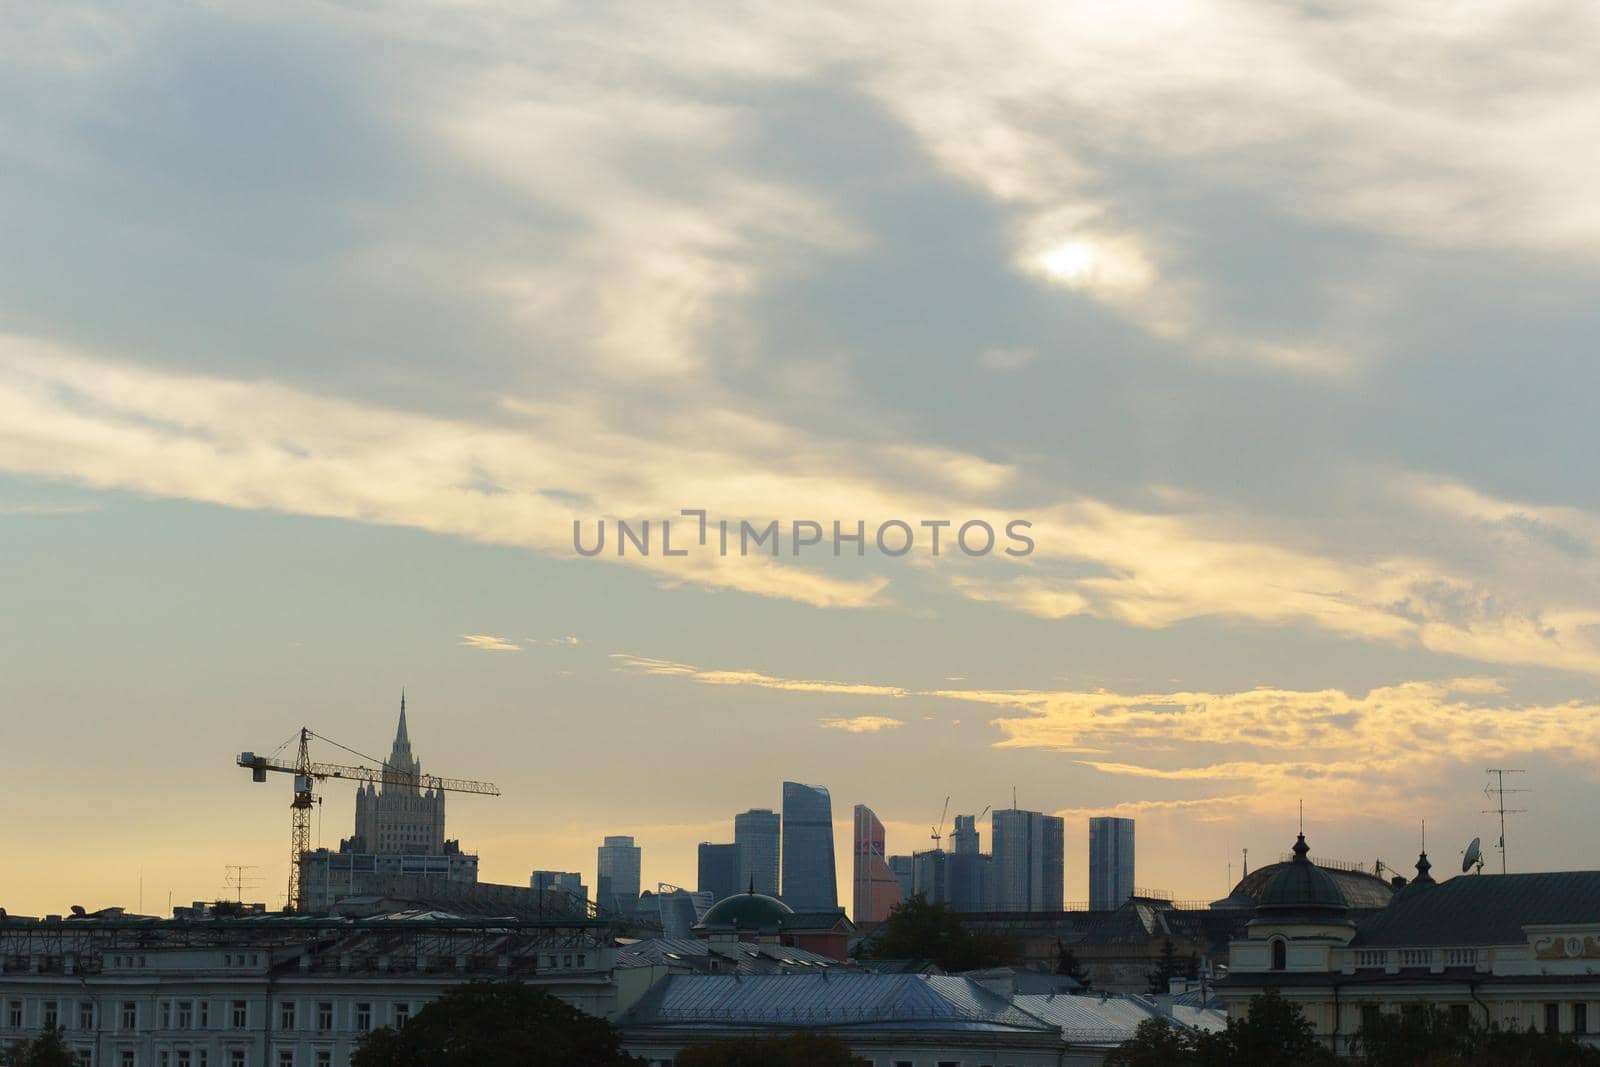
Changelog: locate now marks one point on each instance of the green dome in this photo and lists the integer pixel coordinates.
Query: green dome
(1301, 887)
(747, 911)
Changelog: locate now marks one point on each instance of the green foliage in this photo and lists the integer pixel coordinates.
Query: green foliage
(1428, 1035)
(917, 929)
(789, 1050)
(1274, 1034)
(1067, 963)
(49, 1049)
(1154, 1044)
(495, 1024)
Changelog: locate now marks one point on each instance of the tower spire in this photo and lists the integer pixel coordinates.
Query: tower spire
(400, 738)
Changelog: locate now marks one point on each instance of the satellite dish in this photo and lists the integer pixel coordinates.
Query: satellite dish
(1474, 855)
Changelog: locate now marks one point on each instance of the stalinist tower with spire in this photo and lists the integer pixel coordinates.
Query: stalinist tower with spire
(397, 816)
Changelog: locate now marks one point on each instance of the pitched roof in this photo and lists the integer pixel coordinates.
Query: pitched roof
(832, 1000)
(1487, 909)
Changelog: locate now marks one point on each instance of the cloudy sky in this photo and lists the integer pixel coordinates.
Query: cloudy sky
(320, 325)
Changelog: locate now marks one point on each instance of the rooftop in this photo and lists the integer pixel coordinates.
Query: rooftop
(1483, 909)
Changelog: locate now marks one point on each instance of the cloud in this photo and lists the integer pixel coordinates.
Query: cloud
(861, 724)
(754, 678)
(488, 643)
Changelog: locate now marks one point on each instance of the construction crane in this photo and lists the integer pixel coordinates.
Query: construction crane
(306, 773)
(938, 831)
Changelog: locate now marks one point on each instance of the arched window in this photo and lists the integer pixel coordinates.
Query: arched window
(1280, 952)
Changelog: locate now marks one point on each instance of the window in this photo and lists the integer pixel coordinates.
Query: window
(1459, 1016)
(164, 1059)
(324, 1058)
(1580, 1018)
(51, 1015)
(166, 1015)
(286, 1015)
(127, 1058)
(363, 1018)
(1552, 1018)
(185, 1015)
(85, 1015)
(85, 1056)
(130, 1015)
(236, 1057)
(1280, 955)
(325, 1016)
(285, 1057)
(200, 1057)
(14, 1014)
(241, 1015)
(184, 1059)
(402, 1012)
(203, 1013)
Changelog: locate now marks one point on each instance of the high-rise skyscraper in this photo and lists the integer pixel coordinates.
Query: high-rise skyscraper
(810, 882)
(618, 874)
(877, 890)
(569, 883)
(757, 832)
(904, 873)
(398, 816)
(966, 883)
(721, 867)
(1027, 861)
(964, 838)
(1110, 862)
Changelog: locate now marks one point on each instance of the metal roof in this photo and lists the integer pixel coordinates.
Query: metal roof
(1484, 909)
(1110, 1020)
(831, 1000)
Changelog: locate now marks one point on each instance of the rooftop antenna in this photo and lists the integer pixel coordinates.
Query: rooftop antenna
(237, 880)
(1013, 798)
(1498, 790)
(1246, 873)
(1302, 817)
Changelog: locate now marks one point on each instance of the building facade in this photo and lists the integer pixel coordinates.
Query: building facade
(1026, 864)
(721, 867)
(619, 862)
(810, 881)
(877, 890)
(395, 815)
(328, 877)
(1519, 950)
(569, 883)
(758, 831)
(1110, 862)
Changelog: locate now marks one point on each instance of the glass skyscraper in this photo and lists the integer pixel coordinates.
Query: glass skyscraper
(1027, 861)
(877, 890)
(1110, 862)
(618, 875)
(810, 882)
(757, 832)
(721, 867)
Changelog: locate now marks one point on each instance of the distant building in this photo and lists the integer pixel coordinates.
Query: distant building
(877, 890)
(618, 874)
(328, 877)
(758, 832)
(1517, 950)
(1110, 862)
(968, 879)
(1027, 861)
(397, 816)
(964, 838)
(721, 867)
(568, 882)
(810, 882)
(904, 870)
(930, 875)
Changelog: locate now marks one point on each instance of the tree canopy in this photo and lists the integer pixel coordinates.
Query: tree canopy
(1274, 1034)
(1430, 1035)
(916, 929)
(495, 1024)
(49, 1049)
(798, 1049)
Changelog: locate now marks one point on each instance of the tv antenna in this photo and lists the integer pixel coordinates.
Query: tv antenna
(1498, 790)
(237, 879)
(1472, 857)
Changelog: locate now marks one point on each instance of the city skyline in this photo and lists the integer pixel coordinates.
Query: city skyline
(1274, 324)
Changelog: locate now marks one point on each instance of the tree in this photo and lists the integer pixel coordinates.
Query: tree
(800, 1049)
(1274, 1034)
(1427, 1034)
(1166, 967)
(1154, 1044)
(495, 1024)
(49, 1049)
(1067, 963)
(916, 929)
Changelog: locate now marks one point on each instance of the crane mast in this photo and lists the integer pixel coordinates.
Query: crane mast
(306, 773)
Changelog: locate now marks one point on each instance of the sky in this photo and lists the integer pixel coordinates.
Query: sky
(321, 325)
